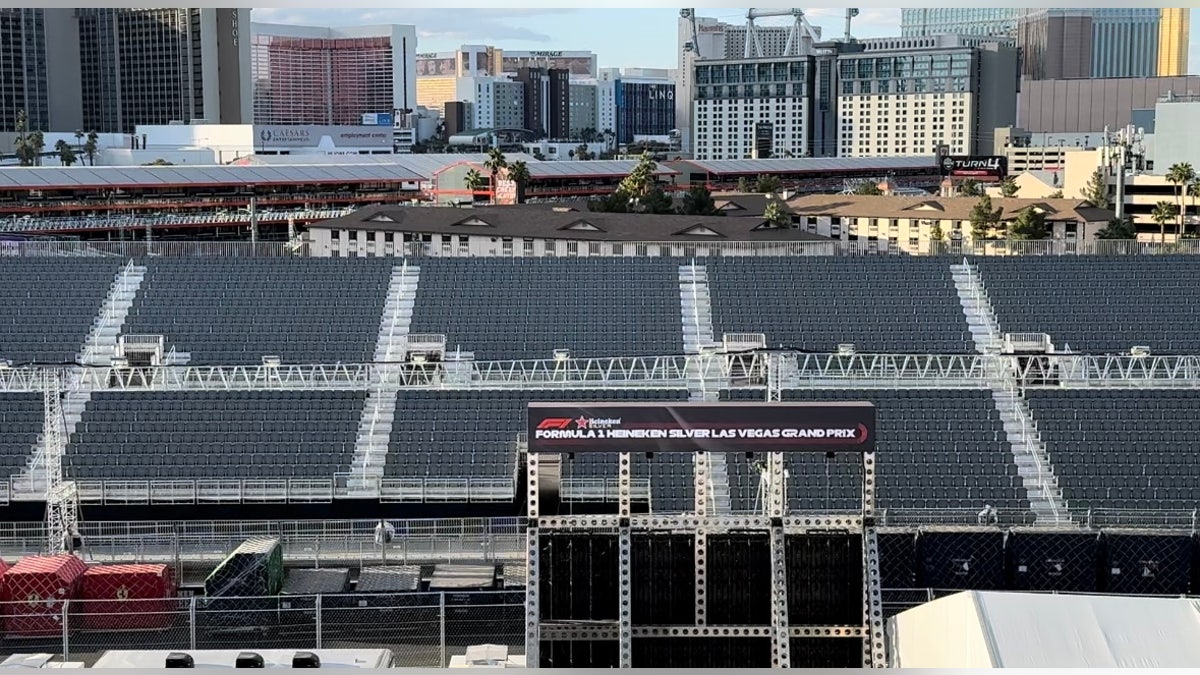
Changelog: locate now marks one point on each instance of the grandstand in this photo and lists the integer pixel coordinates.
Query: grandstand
(209, 386)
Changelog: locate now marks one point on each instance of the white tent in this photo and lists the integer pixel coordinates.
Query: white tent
(1032, 630)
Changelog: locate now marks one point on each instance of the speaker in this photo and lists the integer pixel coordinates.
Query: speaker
(249, 660)
(306, 660)
(180, 660)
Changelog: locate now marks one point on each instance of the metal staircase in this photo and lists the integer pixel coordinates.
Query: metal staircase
(375, 424)
(696, 312)
(101, 344)
(1028, 450)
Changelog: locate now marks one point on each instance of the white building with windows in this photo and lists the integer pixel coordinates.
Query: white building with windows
(751, 108)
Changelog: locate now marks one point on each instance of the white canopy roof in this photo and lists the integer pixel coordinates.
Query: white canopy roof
(1031, 630)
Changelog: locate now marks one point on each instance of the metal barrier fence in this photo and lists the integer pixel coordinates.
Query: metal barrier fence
(421, 629)
(166, 248)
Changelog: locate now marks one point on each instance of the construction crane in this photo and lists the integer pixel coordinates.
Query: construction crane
(801, 29)
(694, 44)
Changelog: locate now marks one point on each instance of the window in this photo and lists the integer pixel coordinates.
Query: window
(527, 246)
(572, 248)
(618, 249)
(593, 248)
(507, 245)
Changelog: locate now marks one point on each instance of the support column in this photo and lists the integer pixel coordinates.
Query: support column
(625, 562)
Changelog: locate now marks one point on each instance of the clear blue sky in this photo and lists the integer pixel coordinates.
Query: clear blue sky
(620, 37)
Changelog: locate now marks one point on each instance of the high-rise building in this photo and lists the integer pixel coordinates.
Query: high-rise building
(155, 66)
(636, 102)
(578, 64)
(705, 38)
(583, 110)
(311, 75)
(885, 97)
(547, 101)
(1174, 38)
(493, 103)
(438, 72)
(919, 96)
(35, 75)
(989, 21)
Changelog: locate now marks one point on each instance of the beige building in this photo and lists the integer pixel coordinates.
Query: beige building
(906, 223)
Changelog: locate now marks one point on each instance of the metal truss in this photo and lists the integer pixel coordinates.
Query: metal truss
(767, 372)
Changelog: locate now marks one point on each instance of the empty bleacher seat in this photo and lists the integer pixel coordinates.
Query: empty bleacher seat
(472, 434)
(881, 304)
(1127, 449)
(21, 419)
(525, 308)
(1097, 304)
(232, 311)
(48, 305)
(215, 435)
(935, 449)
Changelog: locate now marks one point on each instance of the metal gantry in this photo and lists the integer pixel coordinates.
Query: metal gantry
(62, 499)
(702, 524)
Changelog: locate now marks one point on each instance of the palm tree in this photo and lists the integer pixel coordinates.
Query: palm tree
(1181, 175)
(474, 181)
(1194, 192)
(79, 141)
(518, 173)
(22, 147)
(66, 156)
(37, 143)
(1163, 212)
(494, 163)
(91, 146)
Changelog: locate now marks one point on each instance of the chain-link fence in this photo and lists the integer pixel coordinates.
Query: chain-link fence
(421, 629)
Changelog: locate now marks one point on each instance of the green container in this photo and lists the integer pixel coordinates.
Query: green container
(255, 568)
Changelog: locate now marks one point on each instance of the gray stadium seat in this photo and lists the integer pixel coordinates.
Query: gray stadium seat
(1129, 450)
(936, 449)
(1098, 304)
(233, 311)
(881, 304)
(215, 435)
(21, 419)
(47, 306)
(525, 308)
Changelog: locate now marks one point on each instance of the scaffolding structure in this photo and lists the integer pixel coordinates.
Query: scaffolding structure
(700, 524)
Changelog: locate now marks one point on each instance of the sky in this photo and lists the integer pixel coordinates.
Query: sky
(621, 38)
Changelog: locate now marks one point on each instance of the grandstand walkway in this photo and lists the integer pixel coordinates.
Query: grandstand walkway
(1029, 452)
(379, 411)
(100, 347)
(696, 309)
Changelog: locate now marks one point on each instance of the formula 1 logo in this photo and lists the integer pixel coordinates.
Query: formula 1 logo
(555, 423)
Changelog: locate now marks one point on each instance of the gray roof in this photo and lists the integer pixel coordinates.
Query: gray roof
(423, 164)
(540, 222)
(806, 165)
(48, 178)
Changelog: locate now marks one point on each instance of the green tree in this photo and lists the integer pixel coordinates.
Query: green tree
(984, 218)
(23, 146)
(637, 192)
(935, 231)
(698, 201)
(91, 146)
(494, 163)
(1163, 213)
(970, 188)
(518, 173)
(79, 142)
(1057, 194)
(1194, 193)
(1029, 224)
(1009, 187)
(1118, 229)
(777, 215)
(1096, 190)
(1181, 175)
(868, 188)
(474, 182)
(66, 156)
(159, 162)
(743, 185)
(768, 184)
(581, 153)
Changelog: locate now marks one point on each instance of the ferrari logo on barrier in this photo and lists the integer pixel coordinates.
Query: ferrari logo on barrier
(122, 593)
(33, 599)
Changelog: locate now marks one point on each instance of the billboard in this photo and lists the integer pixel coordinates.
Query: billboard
(993, 167)
(437, 67)
(377, 119)
(285, 136)
(579, 66)
(701, 427)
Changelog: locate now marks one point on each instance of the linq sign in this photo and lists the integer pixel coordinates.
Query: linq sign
(701, 427)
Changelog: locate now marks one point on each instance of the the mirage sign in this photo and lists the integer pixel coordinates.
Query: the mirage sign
(701, 427)
(993, 167)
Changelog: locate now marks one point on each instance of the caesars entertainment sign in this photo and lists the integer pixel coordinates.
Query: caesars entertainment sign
(312, 136)
(701, 427)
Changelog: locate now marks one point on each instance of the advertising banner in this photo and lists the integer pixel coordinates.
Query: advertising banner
(701, 427)
(994, 167)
